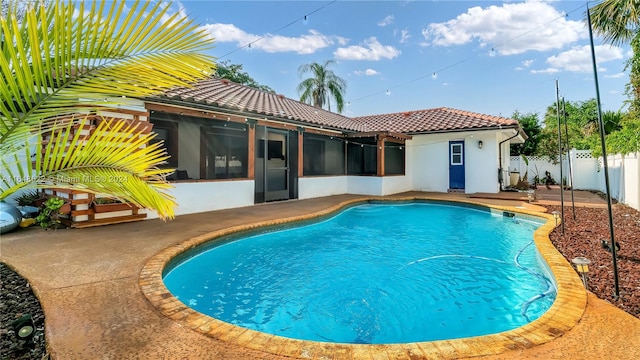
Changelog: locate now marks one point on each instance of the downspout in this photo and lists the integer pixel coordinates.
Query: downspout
(500, 176)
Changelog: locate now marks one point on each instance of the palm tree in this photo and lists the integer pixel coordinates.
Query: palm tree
(61, 59)
(323, 85)
(618, 21)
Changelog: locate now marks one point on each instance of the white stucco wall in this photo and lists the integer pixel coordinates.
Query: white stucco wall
(195, 197)
(312, 187)
(481, 165)
(396, 184)
(364, 185)
(429, 161)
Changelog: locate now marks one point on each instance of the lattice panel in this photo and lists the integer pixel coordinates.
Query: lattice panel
(584, 155)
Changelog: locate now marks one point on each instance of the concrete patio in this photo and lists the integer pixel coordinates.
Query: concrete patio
(87, 281)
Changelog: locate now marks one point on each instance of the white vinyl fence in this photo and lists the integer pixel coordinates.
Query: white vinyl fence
(588, 173)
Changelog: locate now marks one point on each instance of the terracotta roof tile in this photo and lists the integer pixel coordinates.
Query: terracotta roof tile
(225, 94)
(432, 120)
(234, 96)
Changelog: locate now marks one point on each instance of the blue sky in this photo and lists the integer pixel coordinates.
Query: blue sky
(489, 57)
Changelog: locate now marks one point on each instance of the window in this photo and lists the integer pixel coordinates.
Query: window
(168, 134)
(394, 162)
(322, 155)
(456, 154)
(225, 151)
(362, 157)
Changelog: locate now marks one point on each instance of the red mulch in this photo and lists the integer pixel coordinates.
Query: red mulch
(583, 237)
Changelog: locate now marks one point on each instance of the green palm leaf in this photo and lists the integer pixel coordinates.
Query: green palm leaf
(323, 85)
(51, 59)
(616, 20)
(114, 159)
(63, 58)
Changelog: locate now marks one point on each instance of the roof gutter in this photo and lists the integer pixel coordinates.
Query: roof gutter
(500, 176)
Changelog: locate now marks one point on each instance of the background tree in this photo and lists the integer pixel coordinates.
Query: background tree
(619, 22)
(233, 72)
(581, 118)
(322, 86)
(53, 67)
(531, 126)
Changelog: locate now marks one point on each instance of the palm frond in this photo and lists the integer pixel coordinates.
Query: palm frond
(616, 20)
(62, 58)
(114, 159)
(52, 59)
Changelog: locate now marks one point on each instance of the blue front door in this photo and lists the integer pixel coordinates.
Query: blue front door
(456, 165)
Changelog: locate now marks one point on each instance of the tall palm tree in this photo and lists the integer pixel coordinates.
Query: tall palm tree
(618, 21)
(59, 59)
(323, 85)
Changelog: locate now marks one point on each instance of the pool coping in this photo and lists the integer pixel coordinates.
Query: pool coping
(564, 314)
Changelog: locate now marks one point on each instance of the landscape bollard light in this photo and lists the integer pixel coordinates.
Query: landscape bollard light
(556, 216)
(582, 266)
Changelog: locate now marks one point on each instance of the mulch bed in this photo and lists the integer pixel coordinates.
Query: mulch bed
(17, 299)
(582, 237)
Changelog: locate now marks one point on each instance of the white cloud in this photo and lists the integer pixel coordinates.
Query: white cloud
(545, 71)
(388, 20)
(578, 59)
(525, 64)
(303, 44)
(615, 76)
(373, 50)
(368, 72)
(512, 28)
(404, 36)
(181, 14)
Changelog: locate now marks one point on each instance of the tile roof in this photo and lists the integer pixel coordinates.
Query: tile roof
(433, 120)
(224, 94)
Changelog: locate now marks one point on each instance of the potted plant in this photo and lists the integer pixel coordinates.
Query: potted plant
(49, 217)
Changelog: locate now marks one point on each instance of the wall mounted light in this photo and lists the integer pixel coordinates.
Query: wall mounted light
(480, 144)
(582, 267)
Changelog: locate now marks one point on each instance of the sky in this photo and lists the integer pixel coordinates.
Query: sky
(490, 57)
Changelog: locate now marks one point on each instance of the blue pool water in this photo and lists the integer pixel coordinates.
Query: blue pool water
(375, 274)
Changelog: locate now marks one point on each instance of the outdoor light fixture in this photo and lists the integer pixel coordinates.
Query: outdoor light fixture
(582, 267)
(24, 327)
(480, 144)
(556, 216)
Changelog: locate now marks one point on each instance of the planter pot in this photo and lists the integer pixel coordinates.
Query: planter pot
(102, 208)
(65, 209)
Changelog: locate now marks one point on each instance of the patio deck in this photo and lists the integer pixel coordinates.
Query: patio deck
(87, 281)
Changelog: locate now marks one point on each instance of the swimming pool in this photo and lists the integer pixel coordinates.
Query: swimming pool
(408, 280)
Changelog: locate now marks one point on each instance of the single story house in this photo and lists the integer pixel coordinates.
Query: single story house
(235, 146)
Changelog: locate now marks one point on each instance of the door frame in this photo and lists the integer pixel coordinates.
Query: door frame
(277, 194)
(457, 179)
